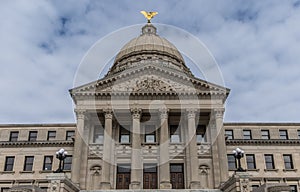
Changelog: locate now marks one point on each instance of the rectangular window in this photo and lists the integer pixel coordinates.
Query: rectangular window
(5, 189)
(9, 163)
(150, 134)
(294, 188)
(200, 133)
(283, 134)
(67, 164)
(231, 162)
(124, 134)
(247, 134)
(269, 160)
(98, 134)
(28, 163)
(32, 136)
(70, 135)
(298, 134)
(175, 134)
(288, 162)
(251, 164)
(229, 134)
(48, 163)
(51, 135)
(265, 134)
(14, 136)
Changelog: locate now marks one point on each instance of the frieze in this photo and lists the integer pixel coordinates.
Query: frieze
(263, 142)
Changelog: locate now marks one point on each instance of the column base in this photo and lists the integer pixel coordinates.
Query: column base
(135, 185)
(105, 185)
(165, 185)
(195, 185)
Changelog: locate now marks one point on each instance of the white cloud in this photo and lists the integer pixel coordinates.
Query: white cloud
(256, 44)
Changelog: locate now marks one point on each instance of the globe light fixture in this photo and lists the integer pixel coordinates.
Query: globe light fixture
(60, 155)
(238, 154)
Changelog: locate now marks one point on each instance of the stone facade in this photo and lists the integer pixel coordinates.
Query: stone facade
(149, 124)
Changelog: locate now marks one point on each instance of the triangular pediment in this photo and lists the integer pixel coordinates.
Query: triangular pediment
(150, 79)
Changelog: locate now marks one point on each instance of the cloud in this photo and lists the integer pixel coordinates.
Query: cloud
(256, 44)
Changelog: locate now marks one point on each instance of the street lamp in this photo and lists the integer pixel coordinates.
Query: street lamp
(61, 155)
(238, 154)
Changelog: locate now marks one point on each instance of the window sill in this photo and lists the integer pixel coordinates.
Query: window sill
(253, 170)
(67, 171)
(155, 143)
(26, 171)
(287, 170)
(176, 143)
(46, 171)
(266, 170)
(7, 172)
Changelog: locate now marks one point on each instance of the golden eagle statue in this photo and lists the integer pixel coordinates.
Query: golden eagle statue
(149, 15)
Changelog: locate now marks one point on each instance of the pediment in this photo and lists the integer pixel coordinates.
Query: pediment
(149, 80)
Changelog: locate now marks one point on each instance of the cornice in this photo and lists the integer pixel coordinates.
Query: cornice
(39, 125)
(260, 124)
(35, 143)
(263, 142)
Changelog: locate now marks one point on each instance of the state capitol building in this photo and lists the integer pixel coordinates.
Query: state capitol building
(149, 123)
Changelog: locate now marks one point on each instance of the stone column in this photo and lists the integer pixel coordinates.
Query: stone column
(107, 146)
(193, 150)
(164, 157)
(76, 159)
(136, 156)
(218, 113)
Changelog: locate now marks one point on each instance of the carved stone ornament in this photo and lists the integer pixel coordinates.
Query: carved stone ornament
(163, 113)
(245, 186)
(108, 113)
(219, 112)
(191, 113)
(96, 170)
(80, 113)
(136, 113)
(149, 83)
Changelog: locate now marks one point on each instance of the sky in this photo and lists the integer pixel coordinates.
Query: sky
(255, 43)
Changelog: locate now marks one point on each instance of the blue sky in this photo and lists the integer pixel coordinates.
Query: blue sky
(255, 43)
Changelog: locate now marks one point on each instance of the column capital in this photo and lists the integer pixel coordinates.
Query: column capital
(163, 113)
(80, 113)
(136, 113)
(191, 113)
(218, 112)
(108, 113)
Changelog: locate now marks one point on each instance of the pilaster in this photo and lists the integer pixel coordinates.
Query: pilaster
(77, 155)
(107, 146)
(164, 157)
(218, 113)
(193, 152)
(136, 156)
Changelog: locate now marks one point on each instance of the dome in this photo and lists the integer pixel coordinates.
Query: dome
(148, 47)
(149, 42)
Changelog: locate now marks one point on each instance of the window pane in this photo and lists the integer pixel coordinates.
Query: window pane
(294, 188)
(32, 136)
(51, 135)
(98, 134)
(150, 138)
(283, 134)
(70, 134)
(124, 134)
(265, 134)
(231, 162)
(247, 134)
(14, 136)
(28, 164)
(229, 134)
(269, 162)
(150, 134)
(9, 163)
(200, 133)
(250, 161)
(288, 162)
(175, 134)
(48, 163)
(67, 164)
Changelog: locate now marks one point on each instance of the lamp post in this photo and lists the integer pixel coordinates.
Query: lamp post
(61, 155)
(238, 154)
